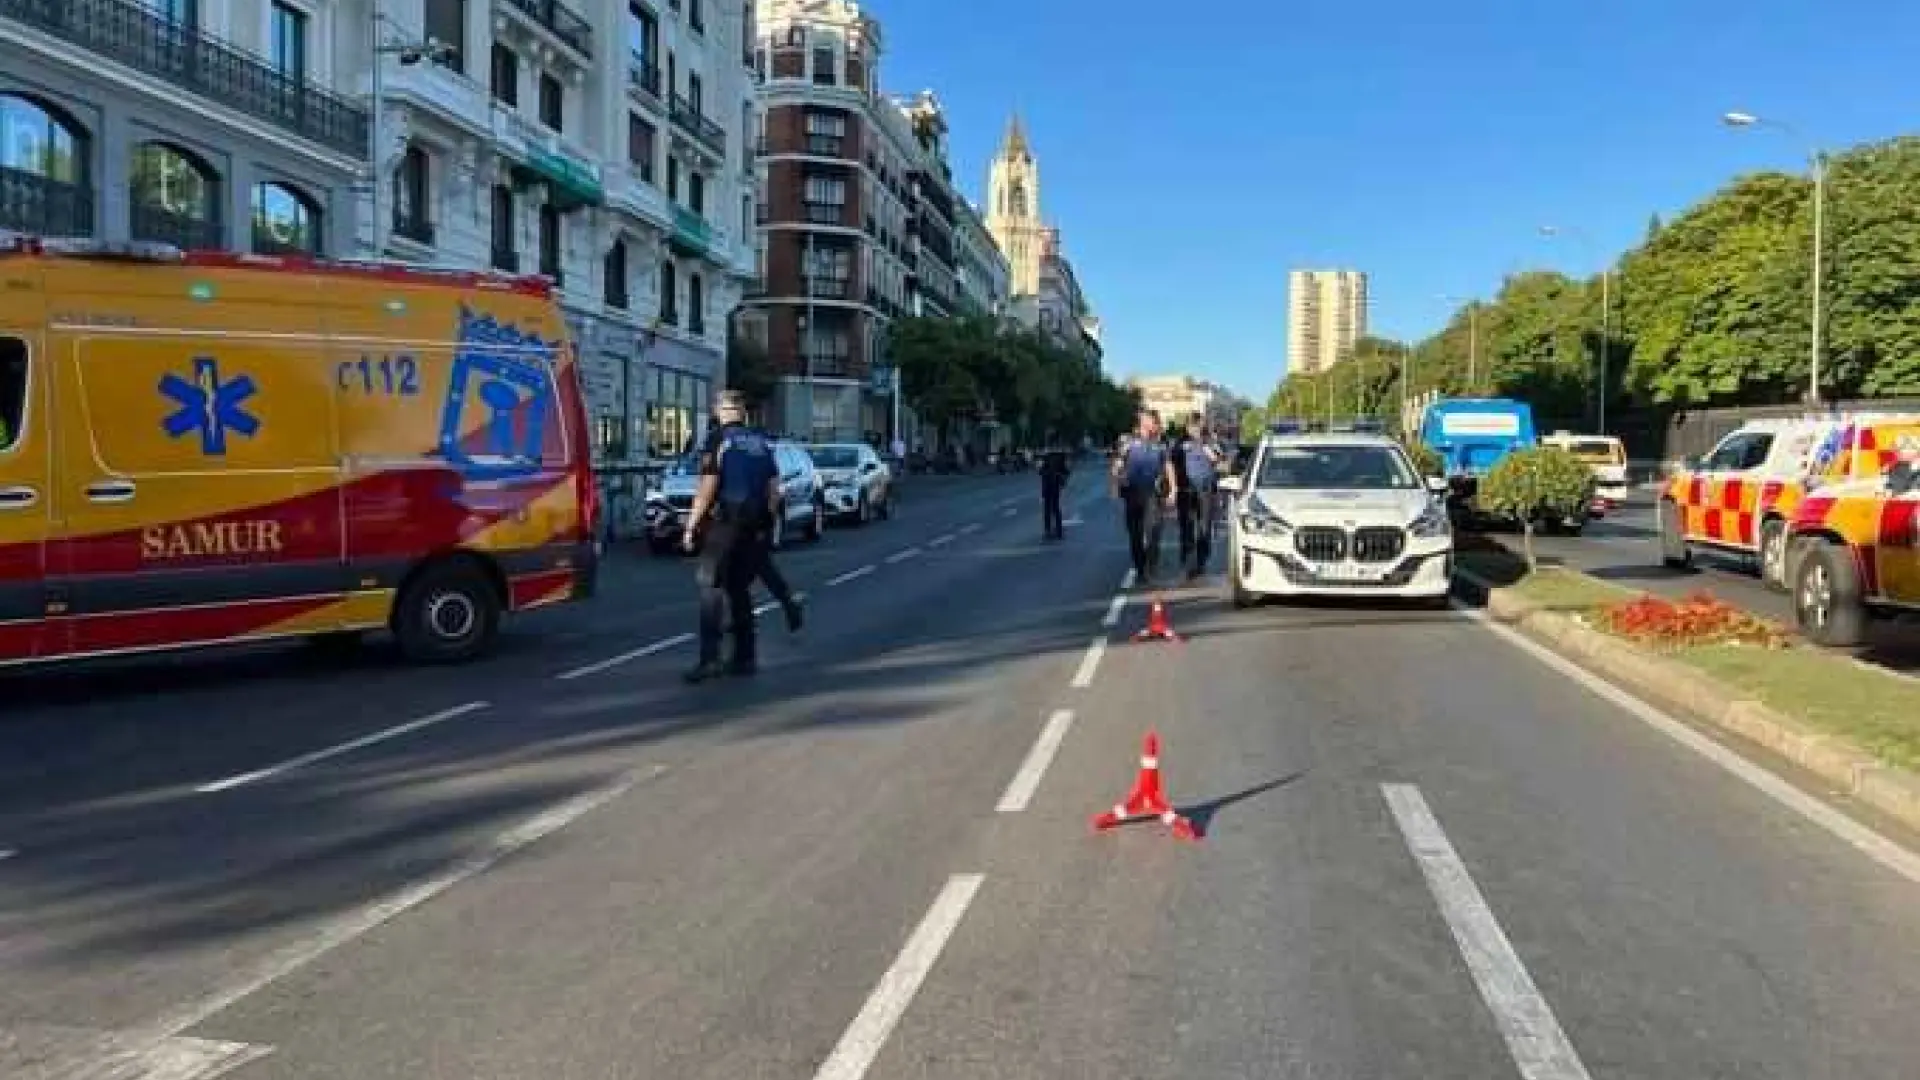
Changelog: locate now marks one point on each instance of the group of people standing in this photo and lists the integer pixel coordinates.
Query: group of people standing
(1156, 472)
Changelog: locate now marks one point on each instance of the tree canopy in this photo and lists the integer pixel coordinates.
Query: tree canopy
(1711, 308)
(975, 368)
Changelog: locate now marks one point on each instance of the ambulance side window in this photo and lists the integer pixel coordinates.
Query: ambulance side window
(13, 391)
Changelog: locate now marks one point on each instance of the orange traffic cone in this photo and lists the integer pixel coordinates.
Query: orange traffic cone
(1148, 798)
(1159, 627)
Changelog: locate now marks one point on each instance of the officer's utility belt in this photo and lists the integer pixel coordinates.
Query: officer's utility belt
(749, 513)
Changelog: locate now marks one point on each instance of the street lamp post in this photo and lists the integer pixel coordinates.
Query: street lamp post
(1817, 164)
(1606, 313)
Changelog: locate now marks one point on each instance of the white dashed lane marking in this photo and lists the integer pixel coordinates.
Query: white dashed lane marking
(633, 654)
(851, 575)
(1114, 609)
(7, 853)
(1089, 663)
(360, 743)
(1027, 781)
(971, 527)
(1539, 1047)
(940, 541)
(903, 556)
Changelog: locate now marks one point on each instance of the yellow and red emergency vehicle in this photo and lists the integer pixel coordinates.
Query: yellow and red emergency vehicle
(1855, 551)
(1740, 499)
(198, 449)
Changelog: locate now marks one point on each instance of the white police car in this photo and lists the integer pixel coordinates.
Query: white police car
(1336, 514)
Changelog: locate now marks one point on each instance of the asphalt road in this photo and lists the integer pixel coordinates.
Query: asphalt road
(1428, 853)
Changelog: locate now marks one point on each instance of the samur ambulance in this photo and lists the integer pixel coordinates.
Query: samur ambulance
(198, 449)
(1741, 498)
(1854, 553)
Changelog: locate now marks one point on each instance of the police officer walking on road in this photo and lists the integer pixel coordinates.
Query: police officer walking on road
(1143, 480)
(1198, 465)
(1053, 480)
(738, 495)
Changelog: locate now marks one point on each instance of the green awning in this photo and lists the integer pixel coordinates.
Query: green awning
(570, 184)
(691, 233)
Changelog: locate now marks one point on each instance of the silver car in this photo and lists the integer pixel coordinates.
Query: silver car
(804, 504)
(858, 485)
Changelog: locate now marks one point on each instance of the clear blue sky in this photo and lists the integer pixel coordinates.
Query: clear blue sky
(1191, 164)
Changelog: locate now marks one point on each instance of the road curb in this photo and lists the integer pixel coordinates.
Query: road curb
(1891, 790)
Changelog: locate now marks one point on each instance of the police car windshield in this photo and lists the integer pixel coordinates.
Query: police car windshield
(835, 457)
(1335, 466)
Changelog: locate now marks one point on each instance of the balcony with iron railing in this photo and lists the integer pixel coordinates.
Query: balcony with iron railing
(826, 365)
(559, 20)
(823, 288)
(643, 75)
(183, 231)
(705, 131)
(128, 33)
(31, 203)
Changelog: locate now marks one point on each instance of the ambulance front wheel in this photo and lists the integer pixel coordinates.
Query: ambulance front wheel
(447, 614)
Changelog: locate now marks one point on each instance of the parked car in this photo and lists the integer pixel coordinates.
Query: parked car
(804, 508)
(858, 486)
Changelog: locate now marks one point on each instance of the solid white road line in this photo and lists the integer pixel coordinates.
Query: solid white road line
(1114, 609)
(940, 541)
(970, 527)
(851, 575)
(1083, 678)
(360, 743)
(865, 1037)
(634, 654)
(903, 556)
(354, 924)
(1539, 1047)
(1879, 848)
(1027, 781)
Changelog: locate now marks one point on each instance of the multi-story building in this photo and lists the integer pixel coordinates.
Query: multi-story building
(1326, 316)
(1178, 397)
(1046, 291)
(981, 270)
(237, 124)
(606, 147)
(859, 221)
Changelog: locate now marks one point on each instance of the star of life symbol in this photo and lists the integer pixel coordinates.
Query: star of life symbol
(209, 406)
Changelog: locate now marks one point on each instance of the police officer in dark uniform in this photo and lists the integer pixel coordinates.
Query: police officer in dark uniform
(1053, 480)
(738, 495)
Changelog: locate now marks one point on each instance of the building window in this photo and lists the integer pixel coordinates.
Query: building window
(673, 178)
(643, 46)
(826, 133)
(289, 41)
(696, 305)
(506, 76)
(746, 215)
(176, 197)
(676, 411)
(616, 275)
(182, 13)
(694, 94)
(696, 17)
(550, 243)
(285, 221)
(447, 24)
(825, 199)
(696, 193)
(553, 103)
(412, 192)
(828, 271)
(825, 67)
(669, 294)
(506, 239)
(44, 158)
(640, 147)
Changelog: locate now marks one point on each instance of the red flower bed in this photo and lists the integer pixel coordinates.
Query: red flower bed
(1700, 619)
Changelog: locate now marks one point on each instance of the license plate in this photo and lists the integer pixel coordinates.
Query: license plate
(1346, 571)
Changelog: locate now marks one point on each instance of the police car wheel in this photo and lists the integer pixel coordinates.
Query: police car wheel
(448, 614)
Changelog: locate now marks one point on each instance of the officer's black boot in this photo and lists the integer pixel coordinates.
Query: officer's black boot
(704, 671)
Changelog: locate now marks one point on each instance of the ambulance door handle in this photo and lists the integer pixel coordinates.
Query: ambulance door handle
(18, 498)
(110, 491)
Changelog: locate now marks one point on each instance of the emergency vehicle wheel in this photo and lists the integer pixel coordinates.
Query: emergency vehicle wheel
(1773, 555)
(1673, 543)
(1826, 597)
(448, 614)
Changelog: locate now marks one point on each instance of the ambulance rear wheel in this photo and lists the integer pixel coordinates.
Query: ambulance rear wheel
(448, 614)
(1826, 597)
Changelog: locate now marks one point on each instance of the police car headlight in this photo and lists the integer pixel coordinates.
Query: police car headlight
(1258, 518)
(1431, 523)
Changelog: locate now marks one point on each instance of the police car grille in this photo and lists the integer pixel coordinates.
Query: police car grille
(1378, 544)
(1321, 543)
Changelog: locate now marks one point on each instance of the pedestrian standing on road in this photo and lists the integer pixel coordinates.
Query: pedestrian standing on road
(1182, 491)
(1053, 480)
(1143, 481)
(1202, 458)
(738, 495)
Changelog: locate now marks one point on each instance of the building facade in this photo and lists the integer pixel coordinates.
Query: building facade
(1326, 316)
(1178, 397)
(858, 218)
(1046, 292)
(233, 125)
(606, 147)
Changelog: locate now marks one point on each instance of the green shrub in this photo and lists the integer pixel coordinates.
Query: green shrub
(1540, 482)
(1426, 459)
